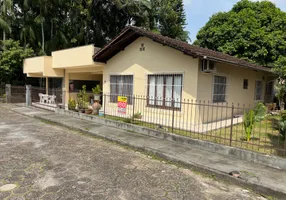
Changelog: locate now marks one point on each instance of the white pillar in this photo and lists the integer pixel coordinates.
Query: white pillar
(28, 95)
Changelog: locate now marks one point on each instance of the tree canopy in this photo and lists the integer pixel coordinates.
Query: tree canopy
(48, 25)
(255, 31)
(11, 61)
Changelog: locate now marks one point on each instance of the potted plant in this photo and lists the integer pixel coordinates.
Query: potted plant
(96, 92)
(71, 104)
(82, 99)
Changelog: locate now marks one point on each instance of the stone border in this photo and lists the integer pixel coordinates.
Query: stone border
(266, 160)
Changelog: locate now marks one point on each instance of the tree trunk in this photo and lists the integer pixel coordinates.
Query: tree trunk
(43, 37)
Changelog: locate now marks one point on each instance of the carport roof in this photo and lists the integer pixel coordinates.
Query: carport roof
(131, 33)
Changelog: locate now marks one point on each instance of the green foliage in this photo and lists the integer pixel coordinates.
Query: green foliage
(248, 123)
(11, 61)
(71, 104)
(82, 98)
(137, 115)
(280, 86)
(251, 117)
(47, 26)
(260, 112)
(254, 31)
(96, 90)
(280, 125)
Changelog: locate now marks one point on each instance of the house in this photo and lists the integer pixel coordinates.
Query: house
(168, 75)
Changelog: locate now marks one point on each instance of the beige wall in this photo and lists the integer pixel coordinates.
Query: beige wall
(74, 57)
(156, 59)
(244, 98)
(49, 71)
(34, 65)
(41, 67)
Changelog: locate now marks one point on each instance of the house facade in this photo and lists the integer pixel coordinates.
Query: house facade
(164, 74)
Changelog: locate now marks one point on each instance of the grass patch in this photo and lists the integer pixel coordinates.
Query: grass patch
(264, 138)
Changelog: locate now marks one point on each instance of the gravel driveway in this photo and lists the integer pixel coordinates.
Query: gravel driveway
(43, 161)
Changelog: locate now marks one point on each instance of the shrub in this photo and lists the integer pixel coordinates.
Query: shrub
(82, 98)
(248, 123)
(71, 104)
(137, 115)
(96, 90)
(252, 116)
(280, 125)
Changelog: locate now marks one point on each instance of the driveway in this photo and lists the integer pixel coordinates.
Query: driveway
(43, 161)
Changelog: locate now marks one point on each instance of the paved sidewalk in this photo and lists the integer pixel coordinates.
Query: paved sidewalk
(257, 177)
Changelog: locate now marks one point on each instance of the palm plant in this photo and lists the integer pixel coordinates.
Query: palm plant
(6, 11)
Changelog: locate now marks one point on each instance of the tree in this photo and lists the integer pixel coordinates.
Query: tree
(172, 19)
(11, 61)
(5, 16)
(280, 85)
(254, 31)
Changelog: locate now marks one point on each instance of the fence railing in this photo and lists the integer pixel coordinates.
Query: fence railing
(221, 123)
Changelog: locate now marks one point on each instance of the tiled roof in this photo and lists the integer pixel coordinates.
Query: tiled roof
(131, 33)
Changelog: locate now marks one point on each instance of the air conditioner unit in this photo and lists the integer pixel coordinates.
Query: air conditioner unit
(208, 66)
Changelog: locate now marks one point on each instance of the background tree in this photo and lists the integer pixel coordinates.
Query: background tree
(254, 31)
(11, 62)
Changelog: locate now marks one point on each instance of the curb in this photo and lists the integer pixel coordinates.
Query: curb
(260, 189)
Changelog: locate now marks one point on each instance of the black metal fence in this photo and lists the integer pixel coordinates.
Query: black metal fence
(222, 123)
(18, 94)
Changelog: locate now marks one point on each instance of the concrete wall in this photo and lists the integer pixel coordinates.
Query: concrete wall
(156, 59)
(74, 57)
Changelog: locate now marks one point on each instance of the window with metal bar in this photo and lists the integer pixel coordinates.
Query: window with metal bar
(219, 89)
(162, 89)
(121, 85)
(258, 90)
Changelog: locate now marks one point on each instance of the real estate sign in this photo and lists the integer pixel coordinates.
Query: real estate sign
(122, 104)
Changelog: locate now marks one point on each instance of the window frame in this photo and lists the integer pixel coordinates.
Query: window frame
(129, 96)
(245, 84)
(255, 90)
(163, 106)
(213, 89)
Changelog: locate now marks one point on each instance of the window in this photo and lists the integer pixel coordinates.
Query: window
(121, 85)
(245, 84)
(76, 85)
(219, 89)
(258, 90)
(162, 89)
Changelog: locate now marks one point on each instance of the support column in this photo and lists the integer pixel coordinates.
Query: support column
(47, 85)
(28, 95)
(66, 89)
(8, 93)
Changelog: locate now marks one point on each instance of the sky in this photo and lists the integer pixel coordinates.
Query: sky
(199, 11)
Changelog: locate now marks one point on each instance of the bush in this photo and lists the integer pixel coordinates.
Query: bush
(280, 125)
(252, 116)
(71, 104)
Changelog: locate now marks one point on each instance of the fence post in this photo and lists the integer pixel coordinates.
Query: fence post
(8, 93)
(173, 115)
(133, 109)
(28, 95)
(231, 124)
(104, 104)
